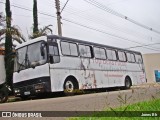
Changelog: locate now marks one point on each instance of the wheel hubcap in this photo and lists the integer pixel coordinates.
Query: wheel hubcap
(69, 86)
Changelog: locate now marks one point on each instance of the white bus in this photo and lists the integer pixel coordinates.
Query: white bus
(52, 64)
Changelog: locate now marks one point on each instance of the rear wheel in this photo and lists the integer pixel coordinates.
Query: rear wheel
(70, 86)
(128, 83)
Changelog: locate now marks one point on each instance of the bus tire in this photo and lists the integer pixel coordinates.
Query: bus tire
(128, 83)
(70, 86)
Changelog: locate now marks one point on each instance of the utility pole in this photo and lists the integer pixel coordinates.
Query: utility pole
(57, 3)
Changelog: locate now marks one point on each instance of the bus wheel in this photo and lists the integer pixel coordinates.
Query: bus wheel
(3, 97)
(70, 87)
(127, 83)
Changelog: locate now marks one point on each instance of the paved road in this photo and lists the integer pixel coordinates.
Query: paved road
(87, 102)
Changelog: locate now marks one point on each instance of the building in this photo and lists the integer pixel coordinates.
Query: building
(151, 63)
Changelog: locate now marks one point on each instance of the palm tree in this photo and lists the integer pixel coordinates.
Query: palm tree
(14, 31)
(42, 32)
(36, 31)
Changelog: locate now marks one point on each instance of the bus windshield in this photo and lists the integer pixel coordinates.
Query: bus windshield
(30, 56)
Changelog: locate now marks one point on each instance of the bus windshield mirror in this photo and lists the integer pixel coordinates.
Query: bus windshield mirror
(51, 59)
(42, 49)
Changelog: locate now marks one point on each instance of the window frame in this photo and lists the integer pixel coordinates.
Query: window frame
(69, 48)
(141, 58)
(104, 53)
(115, 54)
(91, 50)
(133, 56)
(124, 55)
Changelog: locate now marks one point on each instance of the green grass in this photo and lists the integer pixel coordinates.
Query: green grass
(153, 105)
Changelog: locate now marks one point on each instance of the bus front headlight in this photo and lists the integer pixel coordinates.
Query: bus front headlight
(16, 91)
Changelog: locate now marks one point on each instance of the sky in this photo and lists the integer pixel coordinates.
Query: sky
(81, 20)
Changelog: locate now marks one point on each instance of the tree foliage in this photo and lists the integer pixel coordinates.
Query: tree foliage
(14, 32)
(42, 32)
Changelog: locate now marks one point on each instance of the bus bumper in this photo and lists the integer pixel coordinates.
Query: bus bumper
(34, 89)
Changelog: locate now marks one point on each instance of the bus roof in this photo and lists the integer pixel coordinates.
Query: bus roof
(89, 43)
(44, 38)
(71, 40)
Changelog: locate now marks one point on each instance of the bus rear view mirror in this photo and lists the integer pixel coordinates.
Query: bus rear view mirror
(42, 49)
(51, 59)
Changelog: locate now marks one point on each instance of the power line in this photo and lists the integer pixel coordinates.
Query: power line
(143, 45)
(64, 6)
(88, 27)
(108, 33)
(30, 10)
(100, 22)
(105, 8)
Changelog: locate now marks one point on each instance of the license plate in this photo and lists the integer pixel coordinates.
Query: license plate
(27, 93)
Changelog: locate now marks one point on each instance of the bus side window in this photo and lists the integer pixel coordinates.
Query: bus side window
(111, 54)
(69, 49)
(99, 53)
(54, 54)
(138, 58)
(85, 51)
(130, 57)
(122, 56)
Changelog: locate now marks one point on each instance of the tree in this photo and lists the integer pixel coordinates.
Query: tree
(8, 46)
(41, 32)
(36, 31)
(35, 17)
(14, 31)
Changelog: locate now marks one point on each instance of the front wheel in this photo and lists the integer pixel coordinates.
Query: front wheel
(70, 87)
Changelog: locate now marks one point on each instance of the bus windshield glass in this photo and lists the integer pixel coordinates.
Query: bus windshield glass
(30, 56)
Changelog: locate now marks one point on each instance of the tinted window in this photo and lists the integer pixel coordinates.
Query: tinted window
(121, 56)
(111, 54)
(99, 53)
(85, 51)
(69, 49)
